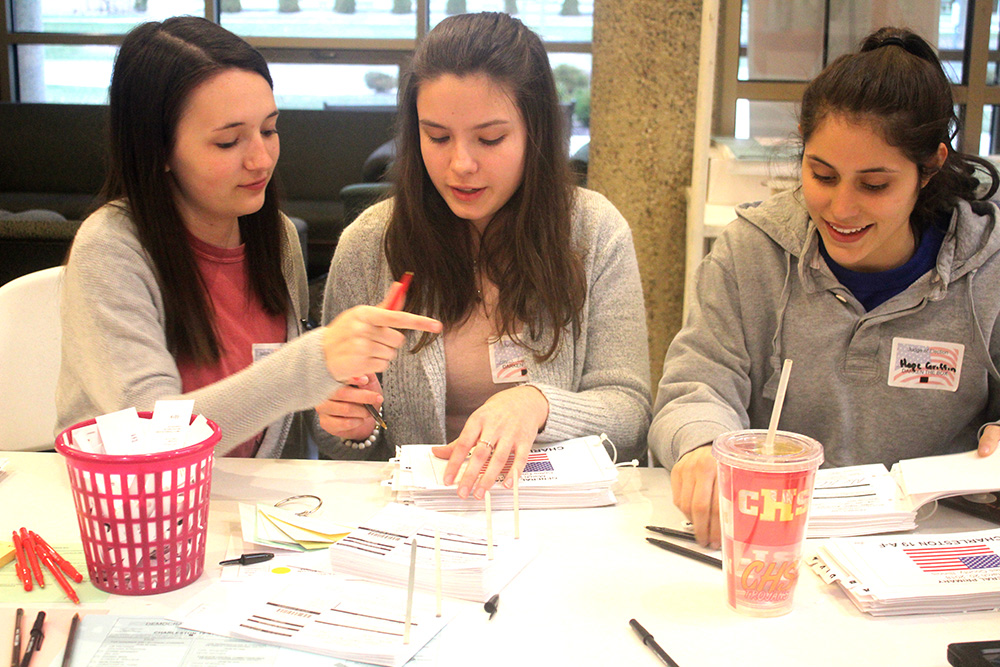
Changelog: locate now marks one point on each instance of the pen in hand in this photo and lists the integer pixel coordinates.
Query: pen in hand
(648, 640)
(394, 304)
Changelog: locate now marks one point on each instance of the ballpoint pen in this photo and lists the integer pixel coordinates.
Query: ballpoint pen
(683, 551)
(15, 657)
(249, 559)
(21, 564)
(648, 640)
(395, 304)
(492, 605)
(29, 550)
(35, 640)
(70, 639)
(58, 575)
(671, 532)
(56, 558)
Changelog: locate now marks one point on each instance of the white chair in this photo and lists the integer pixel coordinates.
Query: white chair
(30, 337)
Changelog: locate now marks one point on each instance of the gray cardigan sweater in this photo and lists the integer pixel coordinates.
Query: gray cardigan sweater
(595, 383)
(114, 352)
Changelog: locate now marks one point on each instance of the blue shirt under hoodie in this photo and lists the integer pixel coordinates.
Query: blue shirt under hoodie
(873, 289)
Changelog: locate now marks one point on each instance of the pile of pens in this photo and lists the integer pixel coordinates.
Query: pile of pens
(32, 552)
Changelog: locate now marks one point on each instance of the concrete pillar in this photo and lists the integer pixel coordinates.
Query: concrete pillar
(645, 76)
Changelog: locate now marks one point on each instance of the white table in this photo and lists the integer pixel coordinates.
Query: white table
(572, 604)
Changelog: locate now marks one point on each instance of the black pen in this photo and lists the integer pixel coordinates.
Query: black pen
(35, 640)
(648, 640)
(683, 551)
(15, 659)
(492, 605)
(70, 638)
(671, 532)
(248, 559)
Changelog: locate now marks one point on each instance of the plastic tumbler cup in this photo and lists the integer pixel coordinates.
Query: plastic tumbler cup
(764, 503)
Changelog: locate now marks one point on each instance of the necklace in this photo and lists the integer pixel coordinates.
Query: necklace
(478, 280)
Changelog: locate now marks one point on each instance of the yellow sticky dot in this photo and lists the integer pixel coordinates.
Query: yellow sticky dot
(281, 570)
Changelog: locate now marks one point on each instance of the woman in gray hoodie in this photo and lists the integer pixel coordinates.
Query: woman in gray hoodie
(878, 276)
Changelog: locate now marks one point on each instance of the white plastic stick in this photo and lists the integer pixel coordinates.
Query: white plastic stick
(489, 528)
(517, 508)
(409, 591)
(437, 569)
(779, 400)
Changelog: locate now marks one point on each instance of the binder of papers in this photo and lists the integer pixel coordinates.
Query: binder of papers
(915, 574)
(379, 551)
(573, 473)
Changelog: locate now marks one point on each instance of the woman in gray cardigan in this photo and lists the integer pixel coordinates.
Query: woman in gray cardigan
(179, 284)
(535, 280)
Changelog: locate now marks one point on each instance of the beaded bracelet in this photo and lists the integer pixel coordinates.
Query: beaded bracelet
(367, 442)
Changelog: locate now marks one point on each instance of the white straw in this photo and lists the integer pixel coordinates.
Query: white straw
(779, 400)
(437, 569)
(489, 528)
(409, 591)
(517, 508)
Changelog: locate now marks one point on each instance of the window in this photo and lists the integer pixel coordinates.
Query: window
(772, 48)
(322, 53)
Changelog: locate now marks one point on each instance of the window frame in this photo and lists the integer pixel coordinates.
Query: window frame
(972, 95)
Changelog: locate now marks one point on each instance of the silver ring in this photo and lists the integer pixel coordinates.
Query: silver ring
(305, 512)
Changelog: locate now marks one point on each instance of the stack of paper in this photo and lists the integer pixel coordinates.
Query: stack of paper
(380, 551)
(574, 473)
(933, 477)
(858, 500)
(930, 574)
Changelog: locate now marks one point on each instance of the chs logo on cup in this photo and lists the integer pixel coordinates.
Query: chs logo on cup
(771, 581)
(765, 504)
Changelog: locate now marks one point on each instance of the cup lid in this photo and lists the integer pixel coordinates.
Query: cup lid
(792, 452)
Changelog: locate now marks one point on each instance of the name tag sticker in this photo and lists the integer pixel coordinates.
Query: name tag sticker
(508, 362)
(925, 364)
(261, 350)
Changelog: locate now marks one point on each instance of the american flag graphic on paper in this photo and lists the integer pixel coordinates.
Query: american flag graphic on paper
(923, 364)
(537, 462)
(954, 559)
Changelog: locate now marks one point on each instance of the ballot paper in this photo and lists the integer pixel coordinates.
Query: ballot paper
(379, 550)
(308, 613)
(932, 477)
(573, 473)
(276, 527)
(125, 433)
(915, 574)
(858, 500)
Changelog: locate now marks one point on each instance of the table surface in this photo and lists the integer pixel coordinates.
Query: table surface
(572, 603)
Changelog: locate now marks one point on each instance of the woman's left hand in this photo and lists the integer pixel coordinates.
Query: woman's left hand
(988, 443)
(507, 422)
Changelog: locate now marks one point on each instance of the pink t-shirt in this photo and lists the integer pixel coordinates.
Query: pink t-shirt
(240, 321)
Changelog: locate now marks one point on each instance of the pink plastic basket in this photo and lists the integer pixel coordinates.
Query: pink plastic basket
(143, 518)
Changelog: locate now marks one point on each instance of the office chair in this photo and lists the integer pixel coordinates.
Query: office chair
(30, 337)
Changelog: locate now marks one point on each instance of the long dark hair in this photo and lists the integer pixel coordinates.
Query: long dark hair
(157, 68)
(526, 248)
(896, 85)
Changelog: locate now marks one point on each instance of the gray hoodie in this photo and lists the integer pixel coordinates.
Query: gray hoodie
(915, 376)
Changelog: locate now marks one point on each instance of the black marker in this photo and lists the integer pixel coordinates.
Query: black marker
(492, 604)
(35, 641)
(682, 551)
(648, 640)
(248, 559)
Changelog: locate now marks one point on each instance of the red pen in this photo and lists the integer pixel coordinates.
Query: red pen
(399, 298)
(32, 554)
(60, 579)
(21, 564)
(55, 557)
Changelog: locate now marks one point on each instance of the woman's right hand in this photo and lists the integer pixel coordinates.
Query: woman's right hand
(344, 415)
(362, 340)
(697, 495)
